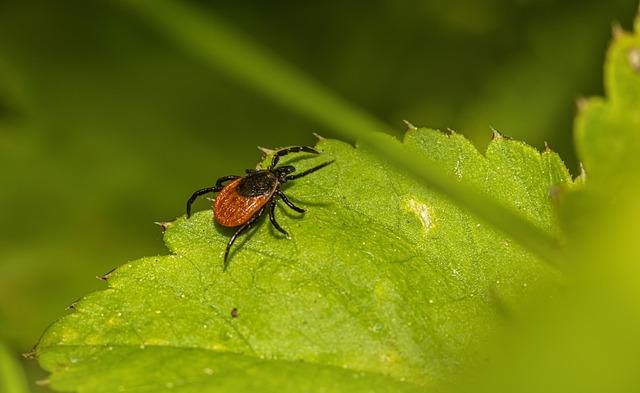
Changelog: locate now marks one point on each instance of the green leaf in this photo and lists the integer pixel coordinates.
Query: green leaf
(586, 339)
(385, 285)
(218, 45)
(607, 130)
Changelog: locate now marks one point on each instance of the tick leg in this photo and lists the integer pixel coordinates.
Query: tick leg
(224, 179)
(292, 149)
(198, 193)
(289, 203)
(219, 186)
(272, 217)
(308, 171)
(243, 228)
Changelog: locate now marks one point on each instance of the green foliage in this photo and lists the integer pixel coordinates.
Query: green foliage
(586, 339)
(545, 78)
(12, 378)
(607, 129)
(385, 286)
(94, 105)
(223, 48)
(67, 119)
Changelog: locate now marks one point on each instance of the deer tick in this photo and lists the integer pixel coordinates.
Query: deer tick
(242, 200)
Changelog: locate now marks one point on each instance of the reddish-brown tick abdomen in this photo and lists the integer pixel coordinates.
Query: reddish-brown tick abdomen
(232, 209)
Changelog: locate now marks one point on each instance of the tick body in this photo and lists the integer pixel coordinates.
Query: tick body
(242, 200)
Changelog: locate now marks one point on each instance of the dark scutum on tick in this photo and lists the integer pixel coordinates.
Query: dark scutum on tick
(257, 183)
(242, 200)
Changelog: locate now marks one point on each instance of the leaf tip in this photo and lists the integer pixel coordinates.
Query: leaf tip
(581, 103)
(163, 224)
(451, 131)
(495, 134)
(616, 30)
(318, 136)
(547, 148)
(31, 354)
(266, 151)
(106, 276)
(72, 306)
(410, 127)
(583, 173)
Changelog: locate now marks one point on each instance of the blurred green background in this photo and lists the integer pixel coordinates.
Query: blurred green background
(106, 127)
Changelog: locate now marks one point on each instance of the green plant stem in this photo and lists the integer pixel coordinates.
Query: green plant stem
(216, 44)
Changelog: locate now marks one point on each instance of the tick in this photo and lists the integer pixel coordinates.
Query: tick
(242, 200)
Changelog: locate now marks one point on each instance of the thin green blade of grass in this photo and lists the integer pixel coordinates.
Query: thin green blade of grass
(216, 44)
(12, 379)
